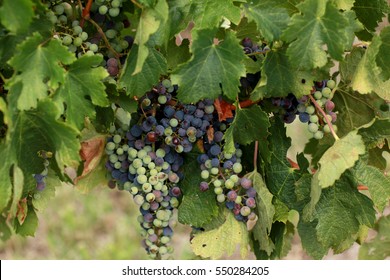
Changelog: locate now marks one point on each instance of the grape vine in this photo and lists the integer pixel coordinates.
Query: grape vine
(185, 104)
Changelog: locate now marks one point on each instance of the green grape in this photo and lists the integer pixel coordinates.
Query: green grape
(113, 158)
(162, 99)
(326, 128)
(318, 135)
(165, 239)
(166, 83)
(117, 138)
(238, 199)
(150, 197)
(119, 151)
(139, 199)
(111, 33)
(229, 184)
(313, 127)
(173, 122)
(127, 186)
(63, 19)
(75, 23)
(218, 190)
(217, 183)
(124, 44)
(163, 250)
(146, 160)
(141, 170)
(113, 12)
(221, 198)
(234, 178)
(157, 223)
(204, 174)
(326, 92)
(179, 149)
(110, 146)
(59, 9)
(117, 165)
(142, 179)
(313, 118)
(115, 3)
(160, 153)
(310, 110)
(214, 170)
(67, 40)
(77, 29)
(318, 95)
(84, 36)
(93, 47)
(141, 154)
(245, 211)
(331, 84)
(237, 167)
(119, 26)
(103, 10)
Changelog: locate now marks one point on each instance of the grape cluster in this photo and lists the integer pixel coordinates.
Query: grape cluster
(100, 35)
(290, 107)
(220, 171)
(41, 177)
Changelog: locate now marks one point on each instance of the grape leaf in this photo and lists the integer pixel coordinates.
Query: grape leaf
(279, 77)
(319, 23)
(383, 56)
(340, 213)
(81, 81)
(5, 229)
(247, 29)
(177, 54)
(315, 194)
(344, 4)
(37, 64)
(6, 185)
(178, 13)
(370, 13)
(197, 208)
(210, 13)
(308, 234)
(210, 68)
(280, 177)
(353, 109)
(249, 125)
(270, 16)
(137, 84)
(222, 240)
(338, 158)
(368, 77)
(16, 15)
(29, 225)
(378, 184)
(376, 159)
(265, 213)
(349, 64)
(379, 247)
(376, 132)
(150, 21)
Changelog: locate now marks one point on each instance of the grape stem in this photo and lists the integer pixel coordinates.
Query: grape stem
(137, 4)
(325, 117)
(255, 153)
(100, 30)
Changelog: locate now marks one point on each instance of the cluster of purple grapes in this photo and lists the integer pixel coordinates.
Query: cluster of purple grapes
(41, 177)
(289, 107)
(220, 171)
(86, 39)
(146, 159)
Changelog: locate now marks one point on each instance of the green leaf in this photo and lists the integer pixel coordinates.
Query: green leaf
(223, 240)
(317, 148)
(280, 177)
(5, 229)
(265, 213)
(137, 84)
(82, 89)
(315, 194)
(338, 158)
(29, 225)
(368, 77)
(210, 13)
(279, 77)
(376, 132)
(37, 66)
(340, 213)
(354, 110)
(177, 54)
(41, 129)
(281, 211)
(378, 184)
(150, 21)
(308, 234)
(344, 4)
(249, 125)
(210, 68)
(319, 23)
(383, 56)
(247, 29)
(178, 14)
(370, 13)
(197, 208)
(379, 247)
(270, 16)
(16, 15)
(6, 185)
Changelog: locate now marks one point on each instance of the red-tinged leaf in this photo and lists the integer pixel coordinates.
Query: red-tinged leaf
(224, 109)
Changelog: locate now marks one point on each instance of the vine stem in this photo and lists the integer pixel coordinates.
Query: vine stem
(325, 117)
(255, 153)
(99, 29)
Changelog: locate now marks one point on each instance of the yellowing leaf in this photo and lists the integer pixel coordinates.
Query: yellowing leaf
(338, 158)
(223, 240)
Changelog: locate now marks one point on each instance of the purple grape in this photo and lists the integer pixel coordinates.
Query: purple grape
(232, 195)
(41, 186)
(251, 192)
(245, 183)
(329, 106)
(304, 117)
(203, 186)
(215, 150)
(250, 202)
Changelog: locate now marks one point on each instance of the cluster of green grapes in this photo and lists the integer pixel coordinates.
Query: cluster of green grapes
(98, 34)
